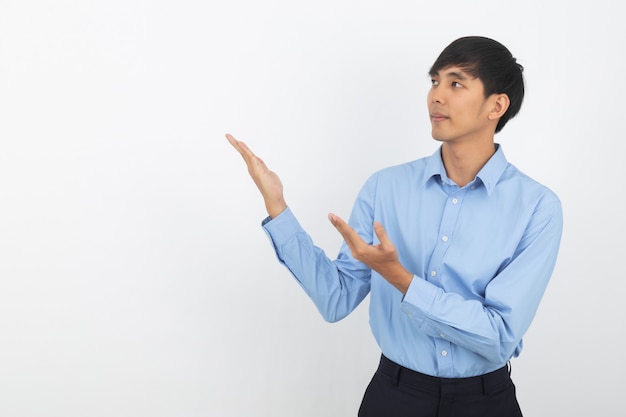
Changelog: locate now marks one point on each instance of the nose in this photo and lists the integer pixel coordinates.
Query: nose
(435, 96)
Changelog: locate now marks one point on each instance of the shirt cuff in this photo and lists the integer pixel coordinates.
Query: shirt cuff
(419, 299)
(282, 227)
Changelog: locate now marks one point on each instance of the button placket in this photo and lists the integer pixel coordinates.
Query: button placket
(446, 228)
(444, 355)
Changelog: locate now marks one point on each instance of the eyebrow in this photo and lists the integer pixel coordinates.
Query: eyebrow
(459, 75)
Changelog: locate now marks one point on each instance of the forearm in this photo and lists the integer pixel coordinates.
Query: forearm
(459, 320)
(336, 287)
(492, 325)
(491, 320)
(275, 206)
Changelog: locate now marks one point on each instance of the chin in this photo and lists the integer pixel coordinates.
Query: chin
(437, 137)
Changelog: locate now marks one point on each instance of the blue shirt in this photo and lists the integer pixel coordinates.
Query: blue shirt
(481, 255)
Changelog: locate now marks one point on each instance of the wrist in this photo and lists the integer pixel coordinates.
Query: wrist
(399, 277)
(275, 208)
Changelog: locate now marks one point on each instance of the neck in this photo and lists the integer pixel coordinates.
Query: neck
(463, 161)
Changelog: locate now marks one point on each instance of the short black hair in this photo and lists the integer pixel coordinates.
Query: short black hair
(492, 63)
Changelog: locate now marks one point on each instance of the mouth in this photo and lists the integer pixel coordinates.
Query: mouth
(438, 117)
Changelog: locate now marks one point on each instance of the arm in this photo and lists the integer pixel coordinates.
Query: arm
(494, 325)
(336, 287)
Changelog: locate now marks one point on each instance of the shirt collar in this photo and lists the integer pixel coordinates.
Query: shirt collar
(488, 175)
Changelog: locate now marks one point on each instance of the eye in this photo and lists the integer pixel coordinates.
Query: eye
(456, 84)
(434, 82)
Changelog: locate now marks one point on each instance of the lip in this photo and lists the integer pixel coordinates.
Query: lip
(438, 117)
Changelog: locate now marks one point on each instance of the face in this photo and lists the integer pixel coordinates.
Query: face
(459, 111)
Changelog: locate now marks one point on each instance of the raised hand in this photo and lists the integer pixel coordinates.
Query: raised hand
(267, 181)
(382, 258)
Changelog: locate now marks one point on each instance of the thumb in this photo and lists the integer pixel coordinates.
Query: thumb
(381, 233)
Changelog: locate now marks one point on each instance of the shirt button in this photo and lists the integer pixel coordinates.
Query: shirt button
(433, 273)
(444, 353)
(454, 201)
(473, 187)
(444, 238)
(443, 336)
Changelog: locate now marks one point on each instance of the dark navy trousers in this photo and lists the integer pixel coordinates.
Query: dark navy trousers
(396, 391)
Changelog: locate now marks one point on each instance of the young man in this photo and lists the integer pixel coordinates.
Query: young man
(455, 249)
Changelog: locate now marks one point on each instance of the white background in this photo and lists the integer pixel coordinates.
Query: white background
(135, 279)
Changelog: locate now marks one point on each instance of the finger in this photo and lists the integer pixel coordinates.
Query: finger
(239, 145)
(337, 222)
(351, 237)
(381, 233)
(233, 142)
(243, 149)
(231, 139)
(259, 162)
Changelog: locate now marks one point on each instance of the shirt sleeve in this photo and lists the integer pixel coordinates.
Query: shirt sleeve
(493, 327)
(336, 287)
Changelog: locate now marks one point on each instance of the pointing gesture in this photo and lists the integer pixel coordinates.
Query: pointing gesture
(266, 181)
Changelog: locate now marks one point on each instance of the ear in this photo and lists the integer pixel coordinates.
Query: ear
(500, 105)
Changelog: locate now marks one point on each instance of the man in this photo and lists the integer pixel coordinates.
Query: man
(455, 249)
